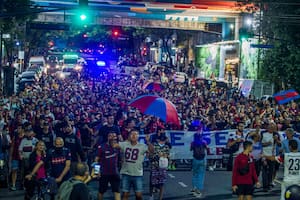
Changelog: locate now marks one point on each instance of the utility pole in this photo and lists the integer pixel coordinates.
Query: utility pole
(259, 41)
(1, 52)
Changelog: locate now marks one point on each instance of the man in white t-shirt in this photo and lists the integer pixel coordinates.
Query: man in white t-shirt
(268, 166)
(291, 162)
(133, 154)
(26, 147)
(235, 144)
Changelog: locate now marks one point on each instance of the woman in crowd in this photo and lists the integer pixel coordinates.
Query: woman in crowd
(37, 167)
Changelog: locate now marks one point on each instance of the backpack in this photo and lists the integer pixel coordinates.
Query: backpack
(66, 189)
(199, 151)
(245, 169)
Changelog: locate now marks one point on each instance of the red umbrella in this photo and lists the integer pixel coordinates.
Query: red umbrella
(153, 86)
(158, 107)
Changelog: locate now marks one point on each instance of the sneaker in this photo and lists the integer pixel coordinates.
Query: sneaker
(273, 184)
(13, 188)
(211, 168)
(193, 191)
(197, 193)
(200, 195)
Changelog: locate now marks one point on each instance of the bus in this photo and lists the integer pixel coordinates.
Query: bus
(70, 64)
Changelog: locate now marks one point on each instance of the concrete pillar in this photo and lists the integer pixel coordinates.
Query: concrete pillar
(237, 27)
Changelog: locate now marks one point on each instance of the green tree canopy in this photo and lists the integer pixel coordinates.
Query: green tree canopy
(280, 27)
(13, 16)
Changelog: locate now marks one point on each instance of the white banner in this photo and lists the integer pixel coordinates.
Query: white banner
(216, 140)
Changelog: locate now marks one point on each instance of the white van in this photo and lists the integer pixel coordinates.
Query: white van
(38, 61)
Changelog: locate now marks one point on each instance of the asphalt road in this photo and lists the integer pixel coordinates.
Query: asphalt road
(217, 187)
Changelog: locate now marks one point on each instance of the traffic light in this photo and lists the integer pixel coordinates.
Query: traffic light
(144, 51)
(82, 13)
(244, 34)
(82, 17)
(115, 33)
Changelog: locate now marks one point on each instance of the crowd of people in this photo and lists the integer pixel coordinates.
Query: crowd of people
(58, 123)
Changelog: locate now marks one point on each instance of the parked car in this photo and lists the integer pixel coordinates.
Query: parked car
(30, 75)
(24, 82)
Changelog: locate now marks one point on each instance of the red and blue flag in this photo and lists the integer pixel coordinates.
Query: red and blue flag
(286, 96)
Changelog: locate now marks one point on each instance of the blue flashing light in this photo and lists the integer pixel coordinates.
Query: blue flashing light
(100, 63)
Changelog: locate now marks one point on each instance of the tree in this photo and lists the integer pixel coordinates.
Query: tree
(13, 17)
(279, 25)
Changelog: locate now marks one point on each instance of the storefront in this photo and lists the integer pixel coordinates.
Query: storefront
(222, 60)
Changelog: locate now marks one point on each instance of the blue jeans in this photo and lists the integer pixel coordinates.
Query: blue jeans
(135, 181)
(198, 168)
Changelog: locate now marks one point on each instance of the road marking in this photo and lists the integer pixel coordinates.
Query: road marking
(171, 175)
(182, 184)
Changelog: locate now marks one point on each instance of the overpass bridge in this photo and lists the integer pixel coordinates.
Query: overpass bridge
(221, 17)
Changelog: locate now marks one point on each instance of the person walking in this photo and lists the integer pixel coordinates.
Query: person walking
(109, 160)
(133, 154)
(37, 169)
(75, 188)
(268, 166)
(158, 165)
(199, 148)
(290, 135)
(72, 142)
(60, 161)
(291, 162)
(26, 147)
(244, 174)
(254, 137)
(235, 144)
(15, 156)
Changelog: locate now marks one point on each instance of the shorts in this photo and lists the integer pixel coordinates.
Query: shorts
(245, 189)
(15, 164)
(114, 181)
(135, 181)
(158, 177)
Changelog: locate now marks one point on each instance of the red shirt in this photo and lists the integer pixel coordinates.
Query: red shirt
(241, 161)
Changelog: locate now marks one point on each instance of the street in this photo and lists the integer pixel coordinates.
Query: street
(178, 186)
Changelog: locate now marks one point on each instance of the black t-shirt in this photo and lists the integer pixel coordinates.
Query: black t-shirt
(38, 130)
(48, 139)
(86, 139)
(80, 192)
(57, 160)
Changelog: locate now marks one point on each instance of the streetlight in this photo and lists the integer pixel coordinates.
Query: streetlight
(248, 22)
(83, 17)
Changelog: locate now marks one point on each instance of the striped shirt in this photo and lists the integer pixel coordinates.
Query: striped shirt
(109, 159)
